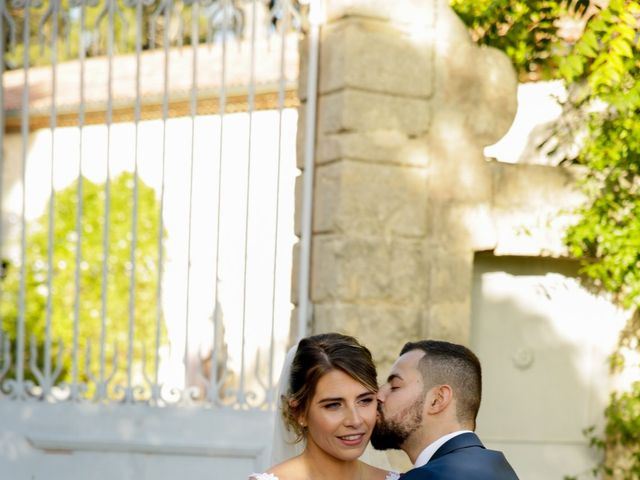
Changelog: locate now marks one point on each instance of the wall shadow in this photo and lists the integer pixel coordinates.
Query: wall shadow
(544, 342)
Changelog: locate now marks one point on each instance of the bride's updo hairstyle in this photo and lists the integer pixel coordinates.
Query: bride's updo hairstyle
(316, 356)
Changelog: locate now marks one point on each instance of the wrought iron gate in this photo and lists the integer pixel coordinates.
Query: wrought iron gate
(148, 170)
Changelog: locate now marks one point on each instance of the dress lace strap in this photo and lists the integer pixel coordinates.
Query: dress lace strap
(271, 476)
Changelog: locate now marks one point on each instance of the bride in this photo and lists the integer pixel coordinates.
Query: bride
(330, 405)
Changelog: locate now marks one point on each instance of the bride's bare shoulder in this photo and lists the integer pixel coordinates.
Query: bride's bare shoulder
(375, 473)
(291, 469)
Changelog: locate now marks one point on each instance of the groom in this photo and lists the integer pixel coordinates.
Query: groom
(428, 408)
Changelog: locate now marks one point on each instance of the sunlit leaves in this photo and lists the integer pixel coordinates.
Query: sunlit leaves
(525, 30)
(594, 46)
(94, 258)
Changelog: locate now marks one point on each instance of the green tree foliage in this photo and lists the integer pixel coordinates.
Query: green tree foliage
(525, 30)
(594, 47)
(65, 243)
(606, 238)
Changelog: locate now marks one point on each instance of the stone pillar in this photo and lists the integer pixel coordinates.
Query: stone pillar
(406, 104)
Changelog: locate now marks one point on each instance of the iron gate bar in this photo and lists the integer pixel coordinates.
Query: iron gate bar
(194, 108)
(304, 301)
(250, 385)
(155, 385)
(101, 390)
(19, 388)
(4, 366)
(76, 389)
(45, 382)
(270, 399)
(213, 391)
(241, 397)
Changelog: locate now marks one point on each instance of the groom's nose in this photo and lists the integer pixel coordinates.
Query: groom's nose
(382, 393)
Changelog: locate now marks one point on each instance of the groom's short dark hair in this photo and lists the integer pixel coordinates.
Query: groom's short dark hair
(454, 365)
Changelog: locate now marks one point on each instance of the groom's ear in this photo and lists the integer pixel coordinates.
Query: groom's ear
(439, 398)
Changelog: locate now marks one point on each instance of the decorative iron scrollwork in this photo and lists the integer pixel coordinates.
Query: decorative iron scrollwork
(221, 19)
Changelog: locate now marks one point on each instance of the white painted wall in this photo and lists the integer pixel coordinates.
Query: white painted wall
(543, 341)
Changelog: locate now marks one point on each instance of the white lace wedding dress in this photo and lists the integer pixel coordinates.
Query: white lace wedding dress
(271, 476)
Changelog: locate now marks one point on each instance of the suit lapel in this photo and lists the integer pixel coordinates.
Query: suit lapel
(463, 440)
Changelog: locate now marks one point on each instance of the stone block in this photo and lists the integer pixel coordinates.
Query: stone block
(360, 111)
(496, 95)
(297, 213)
(376, 57)
(450, 321)
(532, 208)
(373, 270)
(476, 87)
(303, 75)
(412, 13)
(479, 92)
(535, 186)
(301, 135)
(295, 271)
(383, 329)
(450, 275)
(531, 231)
(480, 223)
(462, 226)
(382, 146)
(368, 199)
(457, 170)
(326, 207)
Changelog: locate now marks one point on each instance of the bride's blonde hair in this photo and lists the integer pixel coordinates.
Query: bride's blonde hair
(316, 356)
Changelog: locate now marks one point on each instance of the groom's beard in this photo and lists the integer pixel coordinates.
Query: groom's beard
(391, 434)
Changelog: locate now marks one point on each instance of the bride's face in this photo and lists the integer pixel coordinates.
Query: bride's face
(340, 416)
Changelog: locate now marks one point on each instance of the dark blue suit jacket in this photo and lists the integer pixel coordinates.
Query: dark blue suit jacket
(464, 458)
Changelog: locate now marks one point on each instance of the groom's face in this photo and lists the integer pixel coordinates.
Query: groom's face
(400, 403)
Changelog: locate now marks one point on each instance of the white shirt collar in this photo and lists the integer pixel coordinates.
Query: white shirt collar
(428, 452)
